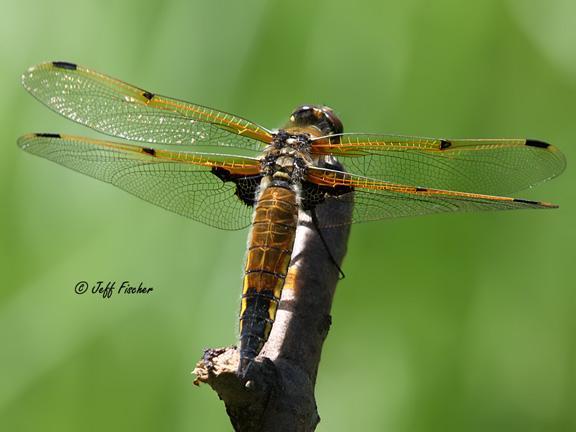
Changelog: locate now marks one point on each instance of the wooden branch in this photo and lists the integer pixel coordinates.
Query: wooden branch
(278, 391)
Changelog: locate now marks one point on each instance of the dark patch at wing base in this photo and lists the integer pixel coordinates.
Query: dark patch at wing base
(246, 186)
(313, 194)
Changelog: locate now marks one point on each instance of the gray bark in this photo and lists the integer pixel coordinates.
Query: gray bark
(277, 393)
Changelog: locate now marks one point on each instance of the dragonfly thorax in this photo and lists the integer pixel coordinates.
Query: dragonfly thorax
(287, 157)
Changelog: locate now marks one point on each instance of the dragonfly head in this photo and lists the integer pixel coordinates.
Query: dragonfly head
(318, 120)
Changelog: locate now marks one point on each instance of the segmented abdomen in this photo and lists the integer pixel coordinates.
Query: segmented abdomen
(269, 251)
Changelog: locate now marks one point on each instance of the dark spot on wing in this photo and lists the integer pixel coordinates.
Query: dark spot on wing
(536, 143)
(314, 194)
(48, 135)
(148, 95)
(540, 204)
(246, 186)
(221, 173)
(64, 65)
(149, 151)
(444, 144)
(526, 201)
(334, 165)
(421, 189)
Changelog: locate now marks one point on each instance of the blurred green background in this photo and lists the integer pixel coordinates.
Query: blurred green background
(444, 323)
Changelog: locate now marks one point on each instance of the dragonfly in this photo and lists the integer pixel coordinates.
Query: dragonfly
(230, 173)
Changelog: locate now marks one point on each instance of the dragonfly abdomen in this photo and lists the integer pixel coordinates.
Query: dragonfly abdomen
(270, 248)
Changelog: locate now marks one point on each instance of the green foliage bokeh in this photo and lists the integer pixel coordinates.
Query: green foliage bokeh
(448, 323)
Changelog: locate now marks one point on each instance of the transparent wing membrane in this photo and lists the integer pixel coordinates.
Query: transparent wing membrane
(490, 166)
(375, 200)
(177, 181)
(119, 109)
(206, 164)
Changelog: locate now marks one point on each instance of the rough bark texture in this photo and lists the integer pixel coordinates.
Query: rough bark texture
(277, 393)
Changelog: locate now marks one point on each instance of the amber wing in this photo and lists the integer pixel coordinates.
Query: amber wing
(486, 166)
(375, 199)
(122, 110)
(180, 181)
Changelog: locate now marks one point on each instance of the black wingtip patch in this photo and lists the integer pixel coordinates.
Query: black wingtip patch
(444, 144)
(48, 135)
(536, 203)
(536, 143)
(64, 65)
(149, 151)
(148, 95)
(527, 201)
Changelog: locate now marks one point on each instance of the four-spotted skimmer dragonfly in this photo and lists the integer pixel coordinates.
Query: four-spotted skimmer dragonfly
(228, 172)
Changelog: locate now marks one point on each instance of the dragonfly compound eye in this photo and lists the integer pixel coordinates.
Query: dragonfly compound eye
(319, 116)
